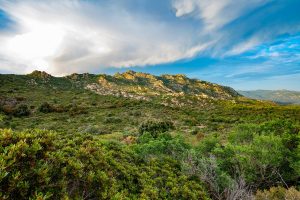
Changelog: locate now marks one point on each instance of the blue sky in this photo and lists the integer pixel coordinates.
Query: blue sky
(240, 43)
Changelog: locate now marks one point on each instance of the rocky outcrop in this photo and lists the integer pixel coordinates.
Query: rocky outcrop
(168, 89)
(40, 74)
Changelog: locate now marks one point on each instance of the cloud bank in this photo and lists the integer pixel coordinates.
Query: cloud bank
(79, 36)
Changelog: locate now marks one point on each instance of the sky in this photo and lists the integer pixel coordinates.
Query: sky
(245, 44)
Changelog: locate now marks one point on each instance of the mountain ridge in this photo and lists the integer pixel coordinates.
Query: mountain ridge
(167, 89)
(278, 96)
(147, 86)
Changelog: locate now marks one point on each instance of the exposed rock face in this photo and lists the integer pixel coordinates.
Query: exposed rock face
(169, 88)
(40, 74)
(166, 89)
(114, 92)
(79, 77)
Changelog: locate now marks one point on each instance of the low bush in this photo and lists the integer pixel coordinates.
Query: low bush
(154, 128)
(278, 193)
(46, 108)
(72, 109)
(21, 110)
(16, 110)
(75, 110)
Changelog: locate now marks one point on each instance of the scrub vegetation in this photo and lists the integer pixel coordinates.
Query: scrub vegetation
(139, 136)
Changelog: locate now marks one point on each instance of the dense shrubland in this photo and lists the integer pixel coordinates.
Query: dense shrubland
(47, 165)
(242, 165)
(59, 141)
(251, 157)
(279, 193)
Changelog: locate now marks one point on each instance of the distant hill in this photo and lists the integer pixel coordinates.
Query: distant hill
(278, 96)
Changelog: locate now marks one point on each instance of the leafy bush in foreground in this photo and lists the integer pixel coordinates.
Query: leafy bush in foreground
(48, 165)
(253, 157)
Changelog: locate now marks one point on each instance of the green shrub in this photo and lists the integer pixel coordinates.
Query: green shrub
(162, 145)
(2, 117)
(262, 154)
(21, 110)
(278, 193)
(75, 110)
(39, 164)
(46, 108)
(18, 110)
(154, 128)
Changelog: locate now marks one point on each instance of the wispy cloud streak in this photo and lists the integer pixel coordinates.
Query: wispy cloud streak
(79, 36)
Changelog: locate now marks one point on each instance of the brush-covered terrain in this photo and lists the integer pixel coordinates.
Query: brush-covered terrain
(138, 136)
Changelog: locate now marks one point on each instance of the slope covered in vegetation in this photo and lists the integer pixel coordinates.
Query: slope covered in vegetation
(145, 137)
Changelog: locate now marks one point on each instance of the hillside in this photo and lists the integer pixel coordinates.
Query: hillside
(139, 136)
(167, 89)
(176, 90)
(111, 104)
(128, 99)
(278, 96)
(146, 85)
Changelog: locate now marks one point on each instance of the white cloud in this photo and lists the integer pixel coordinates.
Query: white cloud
(77, 36)
(216, 17)
(243, 46)
(80, 36)
(215, 13)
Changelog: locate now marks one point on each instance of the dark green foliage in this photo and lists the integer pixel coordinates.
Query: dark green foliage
(46, 108)
(59, 166)
(263, 155)
(18, 110)
(21, 110)
(71, 109)
(164, 145)
(154, 128)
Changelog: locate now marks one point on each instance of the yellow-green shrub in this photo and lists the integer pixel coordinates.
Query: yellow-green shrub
(278, 193)
(49, 165)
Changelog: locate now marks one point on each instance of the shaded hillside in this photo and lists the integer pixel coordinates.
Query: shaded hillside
(278, 96)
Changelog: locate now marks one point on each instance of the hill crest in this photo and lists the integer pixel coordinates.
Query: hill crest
(166, 89)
